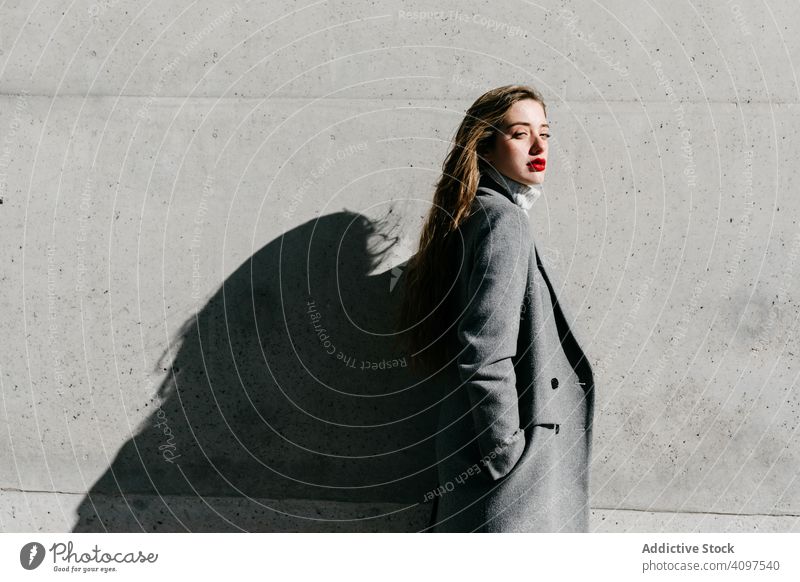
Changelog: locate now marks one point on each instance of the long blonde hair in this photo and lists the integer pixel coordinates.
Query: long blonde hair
(423, 316)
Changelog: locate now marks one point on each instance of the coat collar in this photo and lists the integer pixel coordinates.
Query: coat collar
(520, 194)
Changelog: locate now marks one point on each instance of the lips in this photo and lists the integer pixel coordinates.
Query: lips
(537, 165)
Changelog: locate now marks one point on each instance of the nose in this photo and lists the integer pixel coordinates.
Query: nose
(537, 146)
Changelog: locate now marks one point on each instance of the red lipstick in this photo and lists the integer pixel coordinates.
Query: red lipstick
(537, 165)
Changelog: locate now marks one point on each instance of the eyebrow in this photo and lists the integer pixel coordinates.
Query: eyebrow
(510, 125)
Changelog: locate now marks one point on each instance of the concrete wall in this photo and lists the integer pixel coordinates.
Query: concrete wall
(193, 191)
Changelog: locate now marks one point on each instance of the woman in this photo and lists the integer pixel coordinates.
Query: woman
(481, 316)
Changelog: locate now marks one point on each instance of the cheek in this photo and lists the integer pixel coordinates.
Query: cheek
(514, 149)
(519, 150)
(513, 152)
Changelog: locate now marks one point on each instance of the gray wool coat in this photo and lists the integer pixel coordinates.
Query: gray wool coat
(515, 420)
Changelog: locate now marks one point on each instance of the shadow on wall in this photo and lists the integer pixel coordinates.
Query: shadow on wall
(287, 386)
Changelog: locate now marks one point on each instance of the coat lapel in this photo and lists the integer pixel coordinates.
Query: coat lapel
(570, 344)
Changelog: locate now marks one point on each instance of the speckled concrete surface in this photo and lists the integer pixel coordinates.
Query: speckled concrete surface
(145, 513)
(23, 511)
(616, 521)
(205, 211)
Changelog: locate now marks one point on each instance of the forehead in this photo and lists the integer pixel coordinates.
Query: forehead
(525, 111)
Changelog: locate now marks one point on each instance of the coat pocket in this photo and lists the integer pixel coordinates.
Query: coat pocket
(501, 460)
(536, 438)
(551, 425)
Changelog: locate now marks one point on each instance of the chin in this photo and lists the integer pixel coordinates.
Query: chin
(531, 180)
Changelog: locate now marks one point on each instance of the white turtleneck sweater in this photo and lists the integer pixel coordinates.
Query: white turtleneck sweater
(523, 194)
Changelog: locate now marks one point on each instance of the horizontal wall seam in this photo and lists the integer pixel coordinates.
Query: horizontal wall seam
(722, 513)
(15, 490)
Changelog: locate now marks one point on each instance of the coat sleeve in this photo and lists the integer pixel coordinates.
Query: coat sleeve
(487, 336)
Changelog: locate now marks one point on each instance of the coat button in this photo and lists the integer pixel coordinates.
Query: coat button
(554, 383)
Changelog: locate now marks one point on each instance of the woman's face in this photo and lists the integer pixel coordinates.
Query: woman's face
(520, 149)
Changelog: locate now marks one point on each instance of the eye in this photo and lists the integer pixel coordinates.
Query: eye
(545, 135)
(518, 134)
